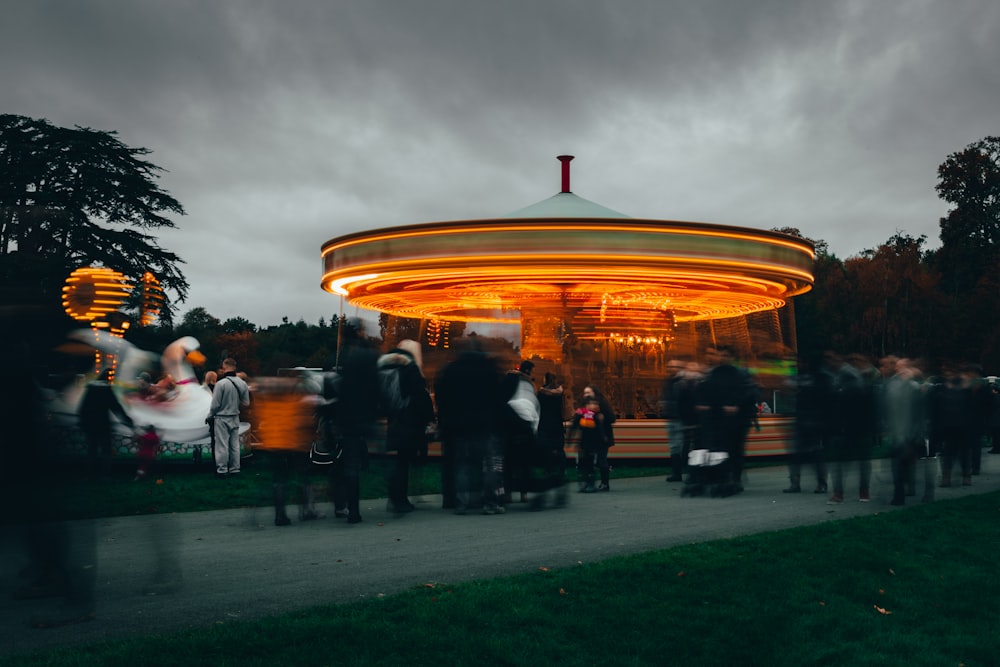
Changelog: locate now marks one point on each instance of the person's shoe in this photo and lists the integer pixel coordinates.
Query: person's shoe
(341, 514)
(234, 471)
(282, 521)
(675, 478)
(494, 509)
(603, 488)
(461, 510)
(588, 488)
(863, 496)
(835, 499)
(967, 481)
(795, 488)
(820, 488)
(354, 518)
(993, 451)
(67, 615)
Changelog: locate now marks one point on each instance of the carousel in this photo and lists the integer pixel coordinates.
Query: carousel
(599, 297)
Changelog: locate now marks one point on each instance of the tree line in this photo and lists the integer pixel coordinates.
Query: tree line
(901, 298)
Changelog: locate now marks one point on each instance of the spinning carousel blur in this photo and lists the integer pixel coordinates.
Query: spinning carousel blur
(600, 297)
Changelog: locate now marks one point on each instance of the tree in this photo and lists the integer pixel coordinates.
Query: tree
(897, 296)
(970, 233)
(393, 329)
(237, 325)
(821, 246)
(71, 197)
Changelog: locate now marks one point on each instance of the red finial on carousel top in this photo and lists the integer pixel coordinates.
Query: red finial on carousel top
(565, 159)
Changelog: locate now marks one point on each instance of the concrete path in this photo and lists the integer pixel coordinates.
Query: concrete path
(237, 565)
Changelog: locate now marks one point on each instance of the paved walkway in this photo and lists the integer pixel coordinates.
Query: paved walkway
(238, 565)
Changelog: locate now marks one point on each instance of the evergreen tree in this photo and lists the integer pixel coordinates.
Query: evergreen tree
(73, 197)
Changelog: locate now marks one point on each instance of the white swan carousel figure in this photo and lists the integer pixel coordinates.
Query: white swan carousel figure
(176, 405)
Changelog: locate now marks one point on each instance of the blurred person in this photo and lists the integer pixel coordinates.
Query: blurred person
(904, 417)
(288, 408)
(957, 423)
(983, 404)
(407, 429)
(98, 406)
(37, 478)
(149, 446)
(674, 385)
(231, 393)
(551, 441)
(469, 401)
(994, 421)
(688, 408)
(211, 377)
(813, 395)
(520, 419)
(726, 404)
(593, 422)
(855, 423)
(355, 417)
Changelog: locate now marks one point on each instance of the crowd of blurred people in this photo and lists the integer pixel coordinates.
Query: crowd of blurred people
(505, 437)
(845, 408)
(931, 424)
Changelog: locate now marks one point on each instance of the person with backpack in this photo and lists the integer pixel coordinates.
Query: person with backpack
(231, 393)
(409, 411)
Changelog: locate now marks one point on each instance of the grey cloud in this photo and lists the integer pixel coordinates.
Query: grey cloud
(282, 125)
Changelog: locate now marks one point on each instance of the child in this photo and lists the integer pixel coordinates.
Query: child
(590, 422)
(149, 447)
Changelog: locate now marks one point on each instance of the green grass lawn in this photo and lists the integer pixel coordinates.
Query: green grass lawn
(912, 587)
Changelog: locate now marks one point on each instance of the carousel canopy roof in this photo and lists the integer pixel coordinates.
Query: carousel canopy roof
(571, 258)
(565, 205)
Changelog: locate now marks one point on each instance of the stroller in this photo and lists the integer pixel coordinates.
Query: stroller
(708, 473)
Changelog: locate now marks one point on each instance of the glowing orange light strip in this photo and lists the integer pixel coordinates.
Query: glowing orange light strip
(549, 227)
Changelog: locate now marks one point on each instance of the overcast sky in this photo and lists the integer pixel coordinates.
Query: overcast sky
(284, 124)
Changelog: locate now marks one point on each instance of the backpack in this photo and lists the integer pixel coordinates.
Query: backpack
(393, 400)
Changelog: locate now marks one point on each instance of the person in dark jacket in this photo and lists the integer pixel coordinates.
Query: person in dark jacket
(469, 402)
(726, 403)
(551, 441)
(358, 405)
(813, 395)
(954, 415)
(670, 410)
(95, 414)
(407, 429)
(519, 425)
